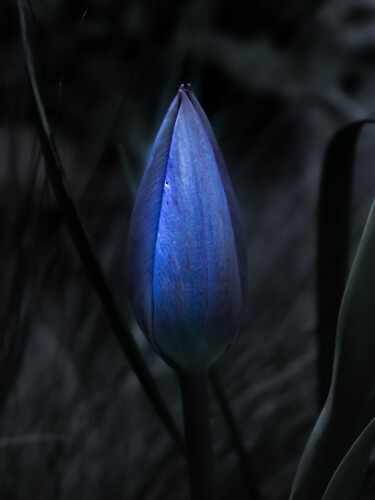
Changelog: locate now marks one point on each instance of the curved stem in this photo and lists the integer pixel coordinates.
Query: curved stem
(84, 247)
(198, 435)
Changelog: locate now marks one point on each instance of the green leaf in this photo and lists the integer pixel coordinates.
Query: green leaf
(333, 242)
(350, 403)
(347, 480)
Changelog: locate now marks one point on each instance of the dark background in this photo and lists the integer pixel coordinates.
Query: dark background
(276, 80)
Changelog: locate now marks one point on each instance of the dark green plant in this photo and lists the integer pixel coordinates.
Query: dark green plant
(350, 403)
(333, 242)
(335, 459)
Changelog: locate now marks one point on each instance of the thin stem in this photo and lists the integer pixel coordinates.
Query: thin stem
(198, 435)
(248, 475)
(85, 250)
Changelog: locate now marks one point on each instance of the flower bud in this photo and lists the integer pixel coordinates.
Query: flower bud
(186, 256)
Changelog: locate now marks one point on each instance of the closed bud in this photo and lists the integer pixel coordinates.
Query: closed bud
(186, 257)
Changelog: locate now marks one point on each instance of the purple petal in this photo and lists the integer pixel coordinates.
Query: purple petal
(197, 288)
(228, 188)
(144, 225)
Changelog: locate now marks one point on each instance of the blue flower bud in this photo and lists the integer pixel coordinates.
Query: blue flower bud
(186, 254)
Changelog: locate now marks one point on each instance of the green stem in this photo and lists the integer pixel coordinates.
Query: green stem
(248, 474)
(195, 405)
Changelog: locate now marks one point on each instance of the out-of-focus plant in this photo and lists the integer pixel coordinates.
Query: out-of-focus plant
(334, 206)
(187, 265)
(347, 479)
(350, 403)
(187, 273)
(83, 245)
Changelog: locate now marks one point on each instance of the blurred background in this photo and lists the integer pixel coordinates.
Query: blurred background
(276, 81)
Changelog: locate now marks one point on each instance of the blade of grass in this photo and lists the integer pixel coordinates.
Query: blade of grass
(32, 439)
(333, 242)
(85, 250)
(32, 11)
(347, 480)
(351, 401)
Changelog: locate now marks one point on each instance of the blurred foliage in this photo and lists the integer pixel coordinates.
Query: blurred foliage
(275, 84)
(334, 209)
(348, 477)
(350, 404)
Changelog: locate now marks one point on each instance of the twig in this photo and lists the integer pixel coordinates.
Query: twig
(85, 250)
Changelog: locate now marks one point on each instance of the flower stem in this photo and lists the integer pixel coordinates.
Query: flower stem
(248, 474)
(198, 435)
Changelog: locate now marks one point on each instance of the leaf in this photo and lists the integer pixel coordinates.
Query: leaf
(350, 404)
(333, 241)
(347, 480)
(85, 250)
